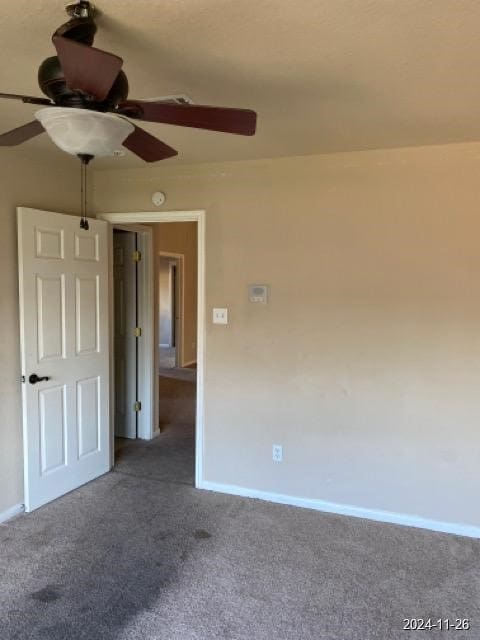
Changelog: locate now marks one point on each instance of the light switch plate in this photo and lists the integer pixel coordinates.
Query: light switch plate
(220, 316)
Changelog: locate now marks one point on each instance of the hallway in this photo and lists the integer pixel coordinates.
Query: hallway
(171, 456)
(168, 458)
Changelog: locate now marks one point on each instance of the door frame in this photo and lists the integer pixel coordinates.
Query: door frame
(179, 350)
(146, 275)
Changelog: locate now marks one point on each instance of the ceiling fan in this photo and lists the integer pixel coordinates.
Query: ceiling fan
(86, 109)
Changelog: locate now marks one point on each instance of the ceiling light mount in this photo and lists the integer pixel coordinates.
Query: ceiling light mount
(81, 9)
(81, 27)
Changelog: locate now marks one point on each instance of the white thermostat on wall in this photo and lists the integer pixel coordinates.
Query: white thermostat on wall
(258, 293)
(158, 198)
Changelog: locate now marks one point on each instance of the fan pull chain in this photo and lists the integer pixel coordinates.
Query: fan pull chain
(85, 159)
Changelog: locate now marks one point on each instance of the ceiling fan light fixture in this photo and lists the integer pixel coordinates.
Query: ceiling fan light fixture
(81, 131)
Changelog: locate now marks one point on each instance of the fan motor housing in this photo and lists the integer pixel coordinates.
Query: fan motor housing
(52, 83)
(80, 28)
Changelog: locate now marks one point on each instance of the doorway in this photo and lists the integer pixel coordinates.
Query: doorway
(170, 308)
(187, 342)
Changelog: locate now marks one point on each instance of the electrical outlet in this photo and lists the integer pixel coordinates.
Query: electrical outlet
(277, 453)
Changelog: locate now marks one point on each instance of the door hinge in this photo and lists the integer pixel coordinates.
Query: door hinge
(137, 332)
(22, 379)
(137, 406)
(137, 256)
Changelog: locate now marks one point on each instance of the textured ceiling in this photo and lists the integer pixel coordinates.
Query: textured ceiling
(323, 75)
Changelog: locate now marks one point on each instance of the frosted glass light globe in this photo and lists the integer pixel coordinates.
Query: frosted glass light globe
(81, 131)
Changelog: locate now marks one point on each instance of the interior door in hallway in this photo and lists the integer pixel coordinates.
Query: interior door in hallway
(63, 277)
(126, 342)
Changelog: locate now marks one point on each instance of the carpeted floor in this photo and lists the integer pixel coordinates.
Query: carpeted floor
(140, 554)
(180, 373)
(169, 458)
(177, 400)
(167, 357)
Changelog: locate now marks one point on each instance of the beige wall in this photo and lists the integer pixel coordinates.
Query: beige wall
(181, 237)
(41, 186)
(365, 364)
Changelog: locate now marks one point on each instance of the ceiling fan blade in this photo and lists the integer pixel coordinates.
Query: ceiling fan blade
(239, 121)
(21, 134)
(147, 147)
(87, 69)
(29, 99)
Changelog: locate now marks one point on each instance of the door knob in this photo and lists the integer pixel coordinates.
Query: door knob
(33, 378)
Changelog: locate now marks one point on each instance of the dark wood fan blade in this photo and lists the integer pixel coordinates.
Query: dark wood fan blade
(21, 134)
(87, 69)
(147, 147)
(239, 121)
(29, 99)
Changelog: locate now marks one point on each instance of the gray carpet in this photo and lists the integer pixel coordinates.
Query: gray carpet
(139, 554)
(180, 373)
(167, 357)
(177, 402)
(169, 458)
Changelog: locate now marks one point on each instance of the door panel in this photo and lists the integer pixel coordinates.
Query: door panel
(53, 437)
(88, 401)
(51, 316)
(63, 279)
(49, 244)
(86, 248)
(86, 315)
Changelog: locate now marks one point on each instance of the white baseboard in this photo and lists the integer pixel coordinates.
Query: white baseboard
(346, 510)
(187, 364)
(16, 510)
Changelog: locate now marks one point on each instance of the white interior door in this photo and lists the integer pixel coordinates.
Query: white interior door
(125, 321)
(63, 280)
